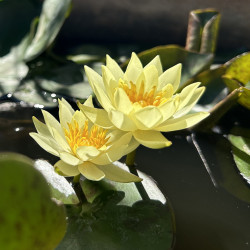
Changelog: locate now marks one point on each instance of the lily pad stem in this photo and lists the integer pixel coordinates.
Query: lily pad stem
(130, 162)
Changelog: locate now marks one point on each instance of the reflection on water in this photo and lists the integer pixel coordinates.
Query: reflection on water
(207, 217)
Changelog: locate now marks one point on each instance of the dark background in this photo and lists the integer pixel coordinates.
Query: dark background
(145, 22)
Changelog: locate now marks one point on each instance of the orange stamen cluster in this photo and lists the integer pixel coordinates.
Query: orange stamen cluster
(143, 98)
(77, 137)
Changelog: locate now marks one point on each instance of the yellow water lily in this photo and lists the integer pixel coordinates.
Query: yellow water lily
(143, 100)
(84, 147)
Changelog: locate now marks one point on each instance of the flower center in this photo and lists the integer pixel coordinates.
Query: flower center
(77, 137)
(143, 98)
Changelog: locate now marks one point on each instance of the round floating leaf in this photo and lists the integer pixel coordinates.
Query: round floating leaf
(59, 186)
(29, 218)
(116, 217)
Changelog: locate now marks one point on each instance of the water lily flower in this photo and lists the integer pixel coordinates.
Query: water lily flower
(143, 100)
(83, 147)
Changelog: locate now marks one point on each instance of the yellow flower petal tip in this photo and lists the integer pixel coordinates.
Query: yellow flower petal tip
(83, 147)
(144, 98)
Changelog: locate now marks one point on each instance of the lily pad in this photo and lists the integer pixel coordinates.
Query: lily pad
(237, 75)
(241, 154)
(59, 186)
(192, 62)
(116, 217)
(30, 219)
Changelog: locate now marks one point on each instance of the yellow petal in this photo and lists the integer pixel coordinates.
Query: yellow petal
(134, 69)
(89, 102)
(80, 118)
(114, 68)
(110, 156)
(69, 159)
(65, 114)
(51, 122)
(151, 76)
(167, 109)
(147, 117)
(91, 172)
(183, 122)
(97, 85)
(169, 90)
(186, 94)
(67, 169)
(192, 101)
(122, 101)
(171, 75)
(117, 174)
(157, 63)
(61, 140)
(116, 150)
(122, 121)
(133, 144)
(151, 139)
(86, 153)
(97, 116)
(72, 111)
(46, 143)
(41, 127)
(109, 81)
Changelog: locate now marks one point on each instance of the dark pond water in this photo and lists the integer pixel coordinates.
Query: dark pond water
(211, 204)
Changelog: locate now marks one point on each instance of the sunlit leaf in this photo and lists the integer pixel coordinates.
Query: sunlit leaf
(59, 186)
(241, 154)
(237, 75)
(29, 218)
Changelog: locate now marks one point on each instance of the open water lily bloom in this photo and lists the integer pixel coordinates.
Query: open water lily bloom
(82, 146)
(143, 100)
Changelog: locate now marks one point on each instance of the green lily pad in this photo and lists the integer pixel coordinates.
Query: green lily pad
(30, 219)
(116, 217)
(192, 62)
(237, 76)
(60, 188)
(241, 154)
